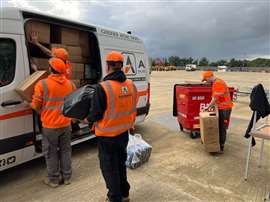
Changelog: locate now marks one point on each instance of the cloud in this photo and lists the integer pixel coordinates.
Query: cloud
(215, 29)
(61, 8)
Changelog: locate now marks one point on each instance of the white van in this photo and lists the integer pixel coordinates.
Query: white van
(191, 67)
(20, 139)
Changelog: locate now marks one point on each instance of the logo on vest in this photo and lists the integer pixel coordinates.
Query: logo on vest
(124, 90)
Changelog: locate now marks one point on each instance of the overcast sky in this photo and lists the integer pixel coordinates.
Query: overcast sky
(215, 29)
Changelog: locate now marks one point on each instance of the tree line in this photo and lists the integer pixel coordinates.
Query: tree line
(177, 61)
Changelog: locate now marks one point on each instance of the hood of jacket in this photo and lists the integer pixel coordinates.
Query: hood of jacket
(116, 76)
(59, 78)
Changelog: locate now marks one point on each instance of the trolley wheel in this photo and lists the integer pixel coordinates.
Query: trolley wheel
(194, 134)
(181, 127)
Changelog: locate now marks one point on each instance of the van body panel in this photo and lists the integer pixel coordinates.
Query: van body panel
(11, 26)
(10, 13)
(11, 127)
(17, 127)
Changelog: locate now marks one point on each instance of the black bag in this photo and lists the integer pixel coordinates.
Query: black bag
(78, 103)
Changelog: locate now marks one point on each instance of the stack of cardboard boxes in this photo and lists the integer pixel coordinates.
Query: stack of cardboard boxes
(74, 41)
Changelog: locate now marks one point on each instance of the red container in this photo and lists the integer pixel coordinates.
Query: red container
(189, 100)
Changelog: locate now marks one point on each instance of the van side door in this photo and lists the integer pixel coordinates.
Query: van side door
(15, 114)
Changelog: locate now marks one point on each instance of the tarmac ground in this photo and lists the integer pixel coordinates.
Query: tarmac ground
(179, 169)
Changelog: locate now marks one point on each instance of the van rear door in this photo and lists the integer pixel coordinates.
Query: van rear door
(15, 115)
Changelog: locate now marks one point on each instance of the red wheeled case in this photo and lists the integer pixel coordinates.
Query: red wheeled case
(189, 100)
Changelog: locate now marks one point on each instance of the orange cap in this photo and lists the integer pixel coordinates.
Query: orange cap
(206, 75)
(115, 56)
(60, 53)
(58, 65)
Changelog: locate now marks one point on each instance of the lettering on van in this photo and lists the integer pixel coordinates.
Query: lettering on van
(119, 35)
(7, 161)
(141, 68)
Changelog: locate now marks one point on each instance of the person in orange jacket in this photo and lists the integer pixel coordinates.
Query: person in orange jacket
(48, 99)
(115, 113)
(60, 53)
(222, 100)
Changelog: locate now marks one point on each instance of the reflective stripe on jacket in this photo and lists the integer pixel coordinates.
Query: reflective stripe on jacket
(49, 97)
(120, 113)
(221, 94)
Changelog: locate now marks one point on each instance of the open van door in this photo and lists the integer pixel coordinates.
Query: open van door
(15, 115)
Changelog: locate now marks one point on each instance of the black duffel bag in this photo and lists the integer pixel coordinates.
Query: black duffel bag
(77, 104)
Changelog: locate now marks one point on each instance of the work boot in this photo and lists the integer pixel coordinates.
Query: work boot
(220, 152)
(221, 149)
(50, 183)
(125, 199)
(67, 182)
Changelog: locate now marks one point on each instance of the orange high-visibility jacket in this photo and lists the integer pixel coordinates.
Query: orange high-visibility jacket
(69, 72)
(221, 94)
(49, 97)
(120, 114)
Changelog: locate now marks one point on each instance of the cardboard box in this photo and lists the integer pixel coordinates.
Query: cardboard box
(85, 44)
(41, 63)
(79, 59)
(77, 71)
(42, 29)
(58, 45)
(84, 39)
(86, 52)
(74, 51)
(210, 131)
(70, 37)
(26, 88)
(76, 59)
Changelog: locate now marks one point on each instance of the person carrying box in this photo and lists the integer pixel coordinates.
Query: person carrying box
(222, 100)
(47, 100)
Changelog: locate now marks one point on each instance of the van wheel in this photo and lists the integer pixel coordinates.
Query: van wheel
(194, 134)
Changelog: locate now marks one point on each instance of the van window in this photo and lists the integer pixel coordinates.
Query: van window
(7, 61)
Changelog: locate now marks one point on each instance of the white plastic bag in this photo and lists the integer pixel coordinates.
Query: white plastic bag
(138, 151)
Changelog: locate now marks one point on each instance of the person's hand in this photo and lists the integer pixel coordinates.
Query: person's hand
(85, 121)
(34, 67)
(132, 131)
(34, 37)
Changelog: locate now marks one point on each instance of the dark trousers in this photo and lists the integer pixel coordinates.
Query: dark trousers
(224, 118)
(112, 157)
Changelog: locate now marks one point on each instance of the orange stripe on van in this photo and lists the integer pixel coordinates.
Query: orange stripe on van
(142, 93)
(15, 114)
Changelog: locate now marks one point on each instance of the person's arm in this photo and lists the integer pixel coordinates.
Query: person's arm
(37, 99)
(34, 40)
(33, 65)
(212, 104)
(215, 97)
(98, 106)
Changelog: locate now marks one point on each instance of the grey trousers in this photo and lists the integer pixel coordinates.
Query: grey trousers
(56, 146)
